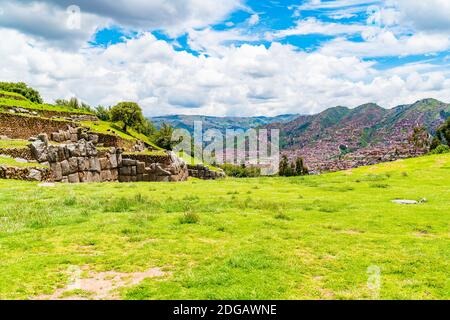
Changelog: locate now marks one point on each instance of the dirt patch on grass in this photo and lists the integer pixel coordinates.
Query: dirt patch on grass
(99, 285)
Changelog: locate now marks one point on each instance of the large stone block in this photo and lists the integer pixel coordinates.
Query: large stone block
(96, 177)
(161, 172)
(34, 175)
(113, 161)
(94, 164)
(73, 165)
(74, 178)
(133, 170)
(124, 178)
(56, 171)
(65, 167)
(163, 178)
(125, 171)
(104, 163)
(114, 174)
(105, 175)
(83, 164)
(140, 167)
(61, 153)
(128, 162)
(39, 151)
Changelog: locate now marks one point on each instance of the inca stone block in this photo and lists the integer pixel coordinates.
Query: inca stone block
(125, 171)
(140, 167)
(74, 178)
(73, 165)
(128, 162)
(65, 168)
(104, 163)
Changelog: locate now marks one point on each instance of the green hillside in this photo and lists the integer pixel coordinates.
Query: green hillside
(311, 237)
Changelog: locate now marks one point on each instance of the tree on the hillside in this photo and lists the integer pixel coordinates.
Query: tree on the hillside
(147, 128)
(73, 103)
(442, 136)
(284, 166)
(300, 168)
(103, 113)
(129, 114)
(21, 88)
(164, 137)
(420, 138)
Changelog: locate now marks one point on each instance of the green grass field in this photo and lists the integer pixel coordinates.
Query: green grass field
(14, 143)
(267, 238)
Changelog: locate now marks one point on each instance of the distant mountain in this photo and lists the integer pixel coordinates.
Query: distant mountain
(334, 138)
(220, 123)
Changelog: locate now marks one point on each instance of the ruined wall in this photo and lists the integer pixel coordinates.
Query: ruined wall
(23, 127)
(203, 172)
(23, 153)
(77, 162)
(171, 169)
(26, 173)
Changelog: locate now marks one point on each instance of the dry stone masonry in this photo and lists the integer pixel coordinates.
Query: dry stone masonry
(76, 160)
(205, 173)
(71, 154)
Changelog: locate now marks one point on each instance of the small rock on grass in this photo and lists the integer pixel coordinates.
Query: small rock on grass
(47, 185)
(398, 201)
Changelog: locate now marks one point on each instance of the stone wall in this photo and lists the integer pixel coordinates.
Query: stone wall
(23, 153)
(25, 173)
(173, 169)
(17, 126)
(57, 115)
(77, 162)
(205, 173)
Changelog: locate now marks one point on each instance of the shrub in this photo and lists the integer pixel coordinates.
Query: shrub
(441, 149)
(73, 103)
(296, 168)
(163, 137)
(442, 137)
(21, 88)
(189, 218)
(241, 171)
(103, 113)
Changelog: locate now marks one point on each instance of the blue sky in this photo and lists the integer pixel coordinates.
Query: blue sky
(233, 57)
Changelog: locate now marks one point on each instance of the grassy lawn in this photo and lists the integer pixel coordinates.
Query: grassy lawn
(267, 238)
(109, 128)
(13, 143)
(26, 104)
(12, 162)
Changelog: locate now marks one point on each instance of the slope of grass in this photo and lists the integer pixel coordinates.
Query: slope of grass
(108, 128)
(26, 104)
(6, 94)
(312, 237)
(7, 161)
(13, 143)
